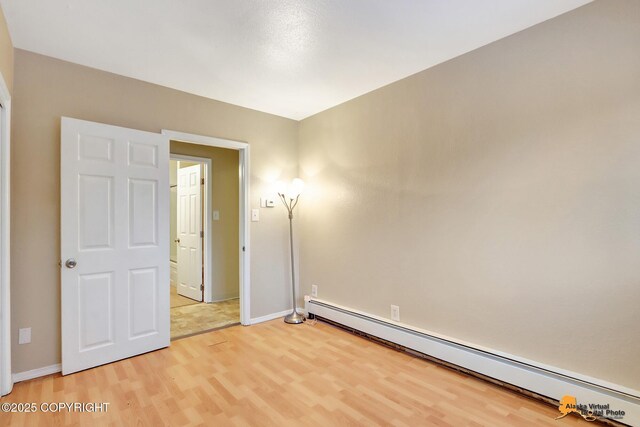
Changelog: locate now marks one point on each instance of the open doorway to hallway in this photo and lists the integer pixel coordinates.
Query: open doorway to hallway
(204, 256)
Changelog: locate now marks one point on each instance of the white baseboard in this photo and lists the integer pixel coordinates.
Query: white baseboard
(173, 273)
(536, 377)
(268, 317)
(35, 373)
(225, 298)
(271, 316)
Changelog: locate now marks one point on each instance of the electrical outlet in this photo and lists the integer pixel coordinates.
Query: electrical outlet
(314, 291)
(24, 336)
(395, 313)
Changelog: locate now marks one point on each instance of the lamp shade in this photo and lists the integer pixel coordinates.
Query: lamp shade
(292, 189)
(296, 187)
(281, 187)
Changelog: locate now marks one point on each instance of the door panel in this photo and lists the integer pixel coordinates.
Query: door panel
(115, 225)
(189, 227)
(143, 205)
(96, 214)
(95, 306)
(143, 295)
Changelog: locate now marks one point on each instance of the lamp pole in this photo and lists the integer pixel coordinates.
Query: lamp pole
(294, 317)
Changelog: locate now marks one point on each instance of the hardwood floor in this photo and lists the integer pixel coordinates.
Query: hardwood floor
(273, 374)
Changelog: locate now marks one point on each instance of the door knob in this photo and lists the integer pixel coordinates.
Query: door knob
(70, 263)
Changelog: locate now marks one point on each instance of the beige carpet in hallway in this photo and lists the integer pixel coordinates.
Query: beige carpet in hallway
(198, 317)
(178, 300)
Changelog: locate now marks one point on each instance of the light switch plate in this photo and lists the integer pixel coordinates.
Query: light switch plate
(266, 202)
(216, 215)
(255, 215)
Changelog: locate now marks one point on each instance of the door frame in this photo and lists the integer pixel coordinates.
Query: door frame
(207, 246)
(6, 381)
(244, 175)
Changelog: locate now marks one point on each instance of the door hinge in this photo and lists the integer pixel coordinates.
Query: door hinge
(202, 234)
(202, 287)
(243, 249)
(202, 181)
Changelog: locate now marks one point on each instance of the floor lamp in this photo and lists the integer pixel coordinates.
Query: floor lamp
(289, 194)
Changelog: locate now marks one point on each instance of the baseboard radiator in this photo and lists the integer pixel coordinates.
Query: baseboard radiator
(533, 379)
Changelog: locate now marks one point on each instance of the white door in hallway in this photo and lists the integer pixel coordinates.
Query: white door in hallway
(114, 243)
(189, 219)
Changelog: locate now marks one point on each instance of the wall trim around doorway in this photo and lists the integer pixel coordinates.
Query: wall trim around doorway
(244, 174)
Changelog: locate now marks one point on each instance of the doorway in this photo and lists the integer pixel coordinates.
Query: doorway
(114, 188)
(244, 240)
(189, 212)
(204, 222)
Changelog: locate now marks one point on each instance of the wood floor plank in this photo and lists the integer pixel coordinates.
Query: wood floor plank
(275, 374)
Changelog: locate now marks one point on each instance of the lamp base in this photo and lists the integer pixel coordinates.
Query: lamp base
(294, 318)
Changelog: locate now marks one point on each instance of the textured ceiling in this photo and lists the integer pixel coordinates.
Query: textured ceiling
(293, 58)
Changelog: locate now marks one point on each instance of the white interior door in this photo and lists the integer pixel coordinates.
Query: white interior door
(190, 278)
(114, 243)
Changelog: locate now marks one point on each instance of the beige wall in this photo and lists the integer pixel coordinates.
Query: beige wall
(44, 90)
(225, 231)
(6, 53)
(495, 198)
